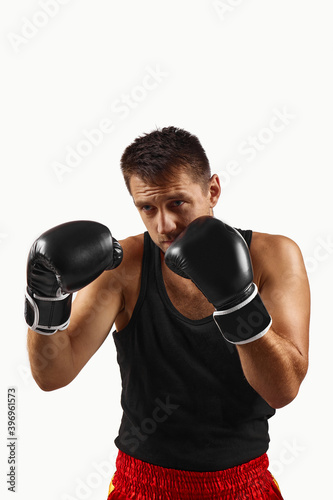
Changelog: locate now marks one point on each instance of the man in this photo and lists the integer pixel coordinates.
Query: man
(211, 327)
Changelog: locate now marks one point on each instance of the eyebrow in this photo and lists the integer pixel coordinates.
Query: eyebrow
(174, 196)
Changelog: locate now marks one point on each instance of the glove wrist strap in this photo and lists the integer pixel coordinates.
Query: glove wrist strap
(245, 322)
(47, 315)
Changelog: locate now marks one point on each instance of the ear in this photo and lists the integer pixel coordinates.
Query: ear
(214, 190)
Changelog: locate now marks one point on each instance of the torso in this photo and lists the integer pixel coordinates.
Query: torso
(183, 294)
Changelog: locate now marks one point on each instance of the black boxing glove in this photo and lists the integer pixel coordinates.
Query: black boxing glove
(61, 261)
(216, 258)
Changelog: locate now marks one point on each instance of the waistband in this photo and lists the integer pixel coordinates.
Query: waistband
(140, 480)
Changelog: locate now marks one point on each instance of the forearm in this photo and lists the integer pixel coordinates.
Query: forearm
(57, 359)
(68, 258)
(274, 367)
(51, 359)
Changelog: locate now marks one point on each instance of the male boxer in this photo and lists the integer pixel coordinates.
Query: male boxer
(211, 327)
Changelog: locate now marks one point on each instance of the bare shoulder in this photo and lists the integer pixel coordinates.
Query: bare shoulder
(127, 277)
(132, 249)
(130, 266)
(275, 254)
(115, 281)
(274, 244)
(133, 242)
(281, 277)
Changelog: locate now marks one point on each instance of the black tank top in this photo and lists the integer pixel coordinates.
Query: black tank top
(186, 403)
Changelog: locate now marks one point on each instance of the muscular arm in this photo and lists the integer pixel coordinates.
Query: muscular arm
(57, 359)
(276, 364)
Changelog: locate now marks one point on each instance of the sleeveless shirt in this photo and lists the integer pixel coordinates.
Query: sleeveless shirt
(186, 402)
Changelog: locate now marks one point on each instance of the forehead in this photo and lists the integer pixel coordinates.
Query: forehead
(182, 183)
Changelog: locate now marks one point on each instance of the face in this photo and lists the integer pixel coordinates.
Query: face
(166, 210)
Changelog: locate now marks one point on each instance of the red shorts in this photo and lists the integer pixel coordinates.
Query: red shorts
(139, 480)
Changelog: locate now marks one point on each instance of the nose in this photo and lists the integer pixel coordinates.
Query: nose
(166, 223)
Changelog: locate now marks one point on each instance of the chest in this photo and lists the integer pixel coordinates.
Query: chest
(186, 297)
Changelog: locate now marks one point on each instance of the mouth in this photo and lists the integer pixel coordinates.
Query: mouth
(167, 242)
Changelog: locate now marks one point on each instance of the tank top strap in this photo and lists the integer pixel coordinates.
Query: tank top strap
(147, 267)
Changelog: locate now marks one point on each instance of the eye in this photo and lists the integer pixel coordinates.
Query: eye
(146, 208)
(178, 203)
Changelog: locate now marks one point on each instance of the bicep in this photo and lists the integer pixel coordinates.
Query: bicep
(286, 294)
(94, 311)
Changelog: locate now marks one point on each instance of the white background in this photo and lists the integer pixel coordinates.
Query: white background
(224, 73)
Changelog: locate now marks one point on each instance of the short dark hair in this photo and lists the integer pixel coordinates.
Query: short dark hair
(157, 157)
